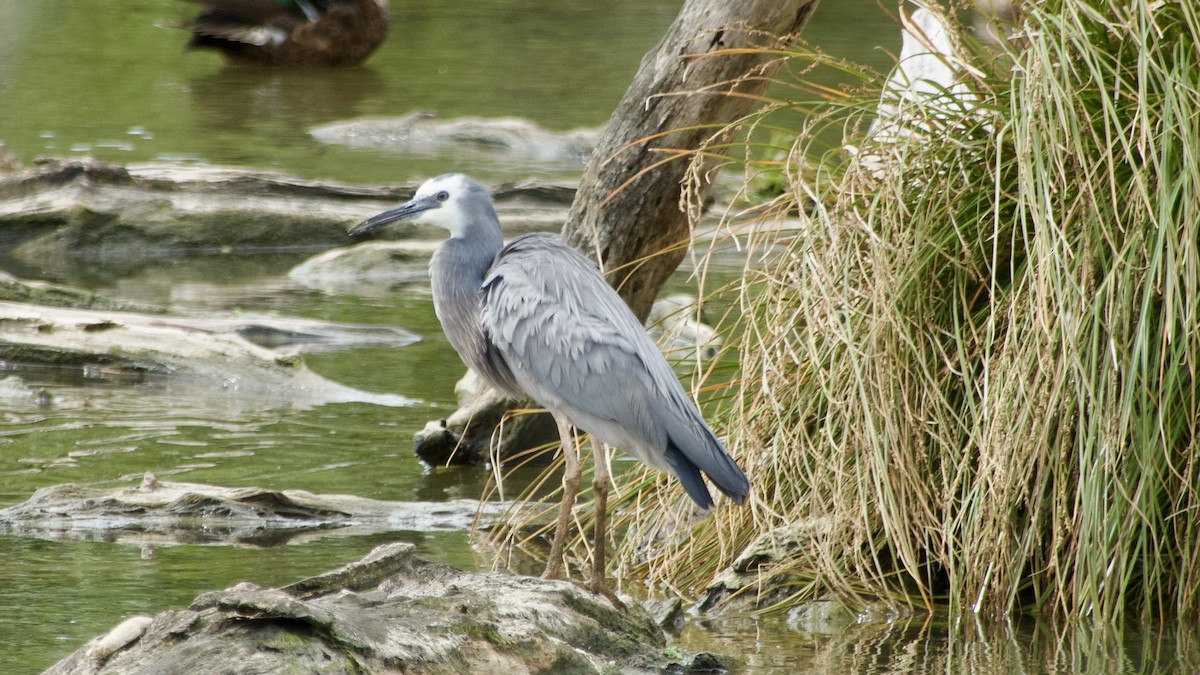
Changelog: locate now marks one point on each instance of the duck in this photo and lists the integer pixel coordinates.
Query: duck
(290, 33)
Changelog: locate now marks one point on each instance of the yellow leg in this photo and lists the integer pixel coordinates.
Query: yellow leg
(571, 474)
(600, 484)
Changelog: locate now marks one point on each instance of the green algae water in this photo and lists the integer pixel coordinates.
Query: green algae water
(104, 80)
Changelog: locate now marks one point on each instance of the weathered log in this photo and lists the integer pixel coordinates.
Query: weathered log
(213, 351)
(83, 209)
(507, 139)
(484, 426)
(705, 73)
(165, 513)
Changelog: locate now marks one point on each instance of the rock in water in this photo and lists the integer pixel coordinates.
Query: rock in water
(389, 612)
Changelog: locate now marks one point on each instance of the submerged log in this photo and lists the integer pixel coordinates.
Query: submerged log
(84, 209)
(504, 138)
(389, 612)
(14, 289)
(165, 513)
(217, 351)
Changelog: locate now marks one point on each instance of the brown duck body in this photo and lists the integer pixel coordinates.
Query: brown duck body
(295, 33)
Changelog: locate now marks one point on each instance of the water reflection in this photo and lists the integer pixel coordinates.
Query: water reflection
(924, 645)
(280, 104)
(56, 601)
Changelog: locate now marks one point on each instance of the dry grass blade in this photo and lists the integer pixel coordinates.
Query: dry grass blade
(969, 374)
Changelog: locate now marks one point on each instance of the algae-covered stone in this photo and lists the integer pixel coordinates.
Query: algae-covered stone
(390, 612)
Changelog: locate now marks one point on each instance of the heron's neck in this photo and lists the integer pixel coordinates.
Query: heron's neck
(458, 268)
(473, 250)
(456, 275)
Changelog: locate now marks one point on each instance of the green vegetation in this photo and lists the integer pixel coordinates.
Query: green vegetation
(969, 376)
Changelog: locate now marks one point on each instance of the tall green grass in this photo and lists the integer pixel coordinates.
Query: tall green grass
(969, 375)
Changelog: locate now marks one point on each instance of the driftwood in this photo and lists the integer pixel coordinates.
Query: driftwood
(390, 612)
(500, 139)
(164, 513)
(704, 72)
(487, 424)
(214, 351)
(83, 209)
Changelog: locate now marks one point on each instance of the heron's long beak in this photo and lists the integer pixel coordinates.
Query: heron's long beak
(406, 210)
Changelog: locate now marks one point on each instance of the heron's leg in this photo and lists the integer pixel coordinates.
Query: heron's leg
(600, 484)
(570, 488)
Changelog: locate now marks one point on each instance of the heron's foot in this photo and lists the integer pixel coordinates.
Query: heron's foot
(598, 587)
(595, 585)
(553, 570)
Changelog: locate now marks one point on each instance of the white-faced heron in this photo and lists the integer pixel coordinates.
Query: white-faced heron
(537, 318)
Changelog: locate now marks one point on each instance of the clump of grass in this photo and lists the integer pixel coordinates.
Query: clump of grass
(970, 375)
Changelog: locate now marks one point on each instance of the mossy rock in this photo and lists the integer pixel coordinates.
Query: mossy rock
(390, 612)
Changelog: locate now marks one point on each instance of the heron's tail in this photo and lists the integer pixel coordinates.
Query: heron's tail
(696, 450)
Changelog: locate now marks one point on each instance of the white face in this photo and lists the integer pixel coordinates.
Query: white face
(451, 201)
(447, 192)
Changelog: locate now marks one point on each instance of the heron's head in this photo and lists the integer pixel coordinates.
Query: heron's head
(451, 201)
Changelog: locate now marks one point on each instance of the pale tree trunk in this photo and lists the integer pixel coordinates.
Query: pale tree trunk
(626, 211)
(682, 89)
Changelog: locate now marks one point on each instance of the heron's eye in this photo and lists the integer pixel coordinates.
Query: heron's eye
(443, 196)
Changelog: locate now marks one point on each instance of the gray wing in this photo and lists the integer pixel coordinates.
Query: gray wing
(577, 349)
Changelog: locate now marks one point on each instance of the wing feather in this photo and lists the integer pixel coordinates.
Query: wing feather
(542, 311)
(576, 348)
